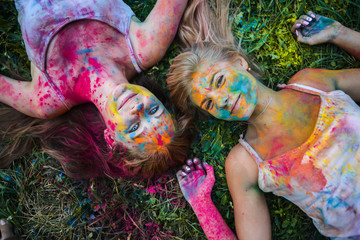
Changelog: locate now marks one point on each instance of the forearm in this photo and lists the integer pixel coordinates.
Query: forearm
(349, 40)
(154, 36)
(211, 221)
(348, 81)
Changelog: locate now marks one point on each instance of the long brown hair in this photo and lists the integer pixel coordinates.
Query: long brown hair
(76, 140)
(205, 34)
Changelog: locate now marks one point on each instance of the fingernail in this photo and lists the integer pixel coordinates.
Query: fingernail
(196, 160)
(298, 25)
(2, 222)
(187, 168)
(183, 173)
(309, 18)
(188, 161)
(312, 15)
(305, 23)
(297, 33)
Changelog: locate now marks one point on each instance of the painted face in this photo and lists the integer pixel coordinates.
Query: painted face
(138, 119)
(226, 91)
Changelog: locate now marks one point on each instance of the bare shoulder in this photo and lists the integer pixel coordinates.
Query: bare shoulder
(241, 167)
(321, 79)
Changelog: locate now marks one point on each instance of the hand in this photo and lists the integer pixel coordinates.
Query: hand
(196, 180)
(315, 29)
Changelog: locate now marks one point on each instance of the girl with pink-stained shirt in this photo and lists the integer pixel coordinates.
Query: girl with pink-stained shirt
(80, 103)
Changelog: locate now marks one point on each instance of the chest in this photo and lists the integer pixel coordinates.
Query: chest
(290, 127)
(84, 54)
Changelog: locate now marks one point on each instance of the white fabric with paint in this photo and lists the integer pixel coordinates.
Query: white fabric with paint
(322, 176)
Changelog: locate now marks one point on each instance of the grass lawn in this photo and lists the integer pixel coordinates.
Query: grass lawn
(43, 203)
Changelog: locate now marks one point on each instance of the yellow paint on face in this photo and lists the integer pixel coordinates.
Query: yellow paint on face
(225, 91)
(138, 119)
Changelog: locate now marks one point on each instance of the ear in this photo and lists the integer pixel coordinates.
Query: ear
(108, 135)
(241, 62)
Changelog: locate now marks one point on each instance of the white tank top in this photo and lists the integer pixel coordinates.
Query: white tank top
(322, 176)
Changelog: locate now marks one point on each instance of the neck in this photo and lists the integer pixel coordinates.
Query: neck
(97, 85)
(287, 111)
(267, 109)
(265, 99)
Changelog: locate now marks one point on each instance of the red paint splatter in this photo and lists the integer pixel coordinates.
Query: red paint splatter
(69, 52)
(94, 62)
(112, 125)
(159, 140)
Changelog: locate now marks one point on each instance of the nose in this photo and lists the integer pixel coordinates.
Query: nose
(137, 108)
(224, 102)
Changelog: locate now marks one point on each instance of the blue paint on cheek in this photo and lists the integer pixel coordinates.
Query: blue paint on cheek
(132, 135)
(241, 84)
(120, 136)
(84, 51)
(223, 114)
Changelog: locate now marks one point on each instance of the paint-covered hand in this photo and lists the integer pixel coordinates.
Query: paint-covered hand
(314, 29)
(196, 180)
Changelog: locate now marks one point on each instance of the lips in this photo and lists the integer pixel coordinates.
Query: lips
(234, 107)
(126, 99)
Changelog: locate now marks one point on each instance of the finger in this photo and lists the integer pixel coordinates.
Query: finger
(197, 164)
(209, 169)
(190, 163)
(180, 175)
(306, 18)
(301, 38)
(186, 169)
(311, 14)
(296, 25)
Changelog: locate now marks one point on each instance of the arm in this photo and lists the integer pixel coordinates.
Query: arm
(34, 98)
(347, 80)
(196, 185)
(315, 29)
(152, 37)
(252, 218)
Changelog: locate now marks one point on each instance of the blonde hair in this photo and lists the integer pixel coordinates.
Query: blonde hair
(205, 35)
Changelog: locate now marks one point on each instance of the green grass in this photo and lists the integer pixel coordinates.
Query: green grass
(45, 204)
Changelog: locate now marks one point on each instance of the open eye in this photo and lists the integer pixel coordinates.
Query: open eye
(153, 110)
(134, 127)
(220, 81)
(209, 104)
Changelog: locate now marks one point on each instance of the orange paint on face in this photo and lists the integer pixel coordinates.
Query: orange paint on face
(139, 119)
(225, 91)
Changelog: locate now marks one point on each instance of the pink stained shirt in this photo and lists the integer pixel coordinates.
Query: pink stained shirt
(322, 176)
(40, 20)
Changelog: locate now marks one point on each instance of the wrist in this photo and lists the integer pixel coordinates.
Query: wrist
(201, 203)
(339, 31)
